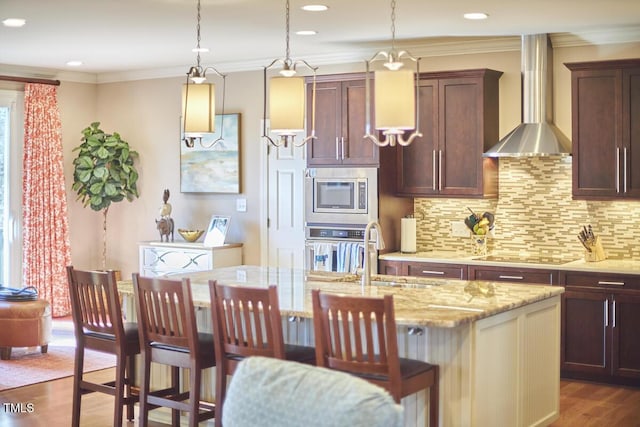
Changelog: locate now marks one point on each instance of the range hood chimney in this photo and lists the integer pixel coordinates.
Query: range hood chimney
(536, 135)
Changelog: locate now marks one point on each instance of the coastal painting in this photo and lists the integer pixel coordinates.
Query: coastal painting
(211, 164)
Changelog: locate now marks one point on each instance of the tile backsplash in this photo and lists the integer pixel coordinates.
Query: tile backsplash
(535, 213)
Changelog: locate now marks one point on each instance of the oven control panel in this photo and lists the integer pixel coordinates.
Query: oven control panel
(335, 233)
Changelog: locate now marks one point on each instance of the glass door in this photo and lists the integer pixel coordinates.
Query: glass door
(11, 137)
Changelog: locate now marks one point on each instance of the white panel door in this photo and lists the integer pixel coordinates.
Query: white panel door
(285, 236)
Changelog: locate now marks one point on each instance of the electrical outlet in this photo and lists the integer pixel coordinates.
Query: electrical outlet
(459, 229)
(241, 205)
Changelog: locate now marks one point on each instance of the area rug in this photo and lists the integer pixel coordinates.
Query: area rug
(29, 366)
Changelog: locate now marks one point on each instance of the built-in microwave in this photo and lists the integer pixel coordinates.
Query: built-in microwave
(341, 195)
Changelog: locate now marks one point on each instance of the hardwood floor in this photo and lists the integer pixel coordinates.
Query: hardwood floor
(582, 404)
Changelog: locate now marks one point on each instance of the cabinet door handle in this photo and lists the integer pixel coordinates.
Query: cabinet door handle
(439, 273)
(440, 170)
(511, 277)
(613, 313)
(606, 312)
(342, 147)
(608, 283)
(624, 168)
(433, 157)
(617, 169)
(337, 149)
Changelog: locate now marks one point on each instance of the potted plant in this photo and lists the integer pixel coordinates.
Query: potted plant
(104, 173)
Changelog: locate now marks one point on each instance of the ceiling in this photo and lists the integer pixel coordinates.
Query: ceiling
(112, 37)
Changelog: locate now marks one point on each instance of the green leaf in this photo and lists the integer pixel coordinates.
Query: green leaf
(83, 175)
(100, 172)
(96, 188)
(110, 190)
(103, 153)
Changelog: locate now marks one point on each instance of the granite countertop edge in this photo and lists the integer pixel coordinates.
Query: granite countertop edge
(613, 266)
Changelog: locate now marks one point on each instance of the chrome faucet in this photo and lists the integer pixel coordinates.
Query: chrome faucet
(379, 244)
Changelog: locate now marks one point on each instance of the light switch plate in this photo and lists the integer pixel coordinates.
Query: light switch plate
(459, 229)
(241, 205)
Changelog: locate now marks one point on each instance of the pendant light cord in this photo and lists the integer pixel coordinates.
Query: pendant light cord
(393, 25)
(198, 38)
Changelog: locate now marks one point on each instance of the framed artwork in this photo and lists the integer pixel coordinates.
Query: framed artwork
(211, 163)
(217, 231)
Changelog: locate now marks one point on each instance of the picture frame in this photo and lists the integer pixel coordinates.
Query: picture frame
(210, 163)
(216, 231)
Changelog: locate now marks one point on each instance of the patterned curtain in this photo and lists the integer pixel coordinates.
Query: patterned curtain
(46, 249)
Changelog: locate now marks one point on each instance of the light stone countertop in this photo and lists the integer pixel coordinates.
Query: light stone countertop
(615, 266)
(441, 303)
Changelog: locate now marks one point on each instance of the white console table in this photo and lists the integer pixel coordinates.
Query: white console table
(160, 258)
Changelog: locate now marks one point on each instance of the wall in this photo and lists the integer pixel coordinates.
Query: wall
(535, 211)
(146, 113)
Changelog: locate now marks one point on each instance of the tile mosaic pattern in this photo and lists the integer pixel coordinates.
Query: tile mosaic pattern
(535, 213)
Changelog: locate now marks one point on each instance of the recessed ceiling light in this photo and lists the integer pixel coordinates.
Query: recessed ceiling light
(476, 15)
(74, 63)
(315, 8)
(306, 32)
(14, 22)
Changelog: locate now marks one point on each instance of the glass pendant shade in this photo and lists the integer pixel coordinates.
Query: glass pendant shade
(198, 107)
(286, 104)
(394, 100)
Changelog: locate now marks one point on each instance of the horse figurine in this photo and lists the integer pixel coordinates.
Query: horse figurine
(165, 227)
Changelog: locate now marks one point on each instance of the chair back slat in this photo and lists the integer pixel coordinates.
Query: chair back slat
(94, 301)
(247, 320)
(355, 334)
(165, 311)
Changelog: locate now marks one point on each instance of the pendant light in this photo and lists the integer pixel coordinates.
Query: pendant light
(287, 98)
(199, 100)
(396, 95)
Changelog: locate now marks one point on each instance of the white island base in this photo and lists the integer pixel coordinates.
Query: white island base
(500, 370)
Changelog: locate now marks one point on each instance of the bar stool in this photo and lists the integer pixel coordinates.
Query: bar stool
(98, 325)
(247, 322)
(348, 330)
(169, 336)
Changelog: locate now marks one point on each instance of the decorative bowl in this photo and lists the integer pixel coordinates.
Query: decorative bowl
(190, 235)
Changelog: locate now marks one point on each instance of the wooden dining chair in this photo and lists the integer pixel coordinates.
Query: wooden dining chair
(169, 336)
(99, 326)
(247, 322)
(358, 335)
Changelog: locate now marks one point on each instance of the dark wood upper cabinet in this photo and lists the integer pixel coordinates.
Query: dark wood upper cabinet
(459, 121)
(340, 123)
(605, 99)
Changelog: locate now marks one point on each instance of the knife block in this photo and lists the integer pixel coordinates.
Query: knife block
(597, 252)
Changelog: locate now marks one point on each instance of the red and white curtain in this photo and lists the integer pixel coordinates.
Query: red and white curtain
(46, 249)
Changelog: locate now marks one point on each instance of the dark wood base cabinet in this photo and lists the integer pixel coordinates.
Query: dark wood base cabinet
(600, 329)
(423, 269)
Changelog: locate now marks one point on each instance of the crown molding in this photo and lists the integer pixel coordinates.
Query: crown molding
(45, 73)
(617, 35)
(352, 53)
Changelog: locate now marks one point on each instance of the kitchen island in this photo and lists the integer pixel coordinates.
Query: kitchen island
(497, 344)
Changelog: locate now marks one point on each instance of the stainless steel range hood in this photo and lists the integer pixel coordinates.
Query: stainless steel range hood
(536, 135)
